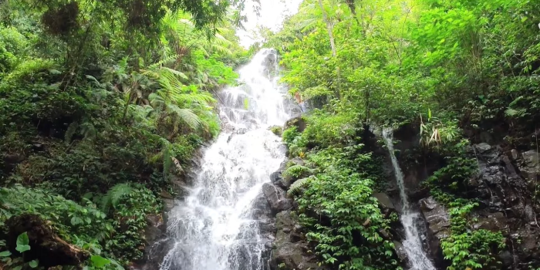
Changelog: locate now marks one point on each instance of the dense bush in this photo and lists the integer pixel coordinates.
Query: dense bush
(104, 104)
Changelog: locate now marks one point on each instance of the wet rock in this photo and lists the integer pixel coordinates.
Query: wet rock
(277, 179)
(276, 130)
(492, 222)
(155, 228)
(168, 204)
(438, 227)
(504, 186)
(384, 201)
(297, 122)
(289, 249)
(530, 165)
(401, 253)
(437, 217)
(506, 258)
(276, 198)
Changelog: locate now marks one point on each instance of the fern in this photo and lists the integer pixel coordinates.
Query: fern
(113, 196)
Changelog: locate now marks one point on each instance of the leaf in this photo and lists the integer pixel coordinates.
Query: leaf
(33, 264)
(23, 243)
(99, 262)
(5, 254)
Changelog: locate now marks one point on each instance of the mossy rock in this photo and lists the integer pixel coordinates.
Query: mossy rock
(277, 130)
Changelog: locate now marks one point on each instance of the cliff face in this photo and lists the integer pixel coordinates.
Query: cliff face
(504, 187)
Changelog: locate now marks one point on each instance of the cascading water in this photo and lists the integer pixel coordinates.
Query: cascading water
(409, 218)
(213, 228)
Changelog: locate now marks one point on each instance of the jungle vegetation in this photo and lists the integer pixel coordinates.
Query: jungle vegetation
(103, 105)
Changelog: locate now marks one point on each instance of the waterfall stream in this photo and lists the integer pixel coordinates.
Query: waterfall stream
(409, 218)
(213, 227)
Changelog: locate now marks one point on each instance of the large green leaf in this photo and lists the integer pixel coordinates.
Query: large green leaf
(99, 262)
(33, 264)
(23, 243)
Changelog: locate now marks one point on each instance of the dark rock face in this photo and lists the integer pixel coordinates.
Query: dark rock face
(155, 236)
(504, 186)
(276, 198)
(438, 227)
(290, 248)
(287, 247)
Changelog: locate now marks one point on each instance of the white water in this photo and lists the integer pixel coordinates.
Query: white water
(409, 218)
(213, 228)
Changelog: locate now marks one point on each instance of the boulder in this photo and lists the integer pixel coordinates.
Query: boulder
(276, 198)
(290, 249)
(384, 202)
(297, 122)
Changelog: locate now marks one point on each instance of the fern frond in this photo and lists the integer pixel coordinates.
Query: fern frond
(113, 196)
(187, 116)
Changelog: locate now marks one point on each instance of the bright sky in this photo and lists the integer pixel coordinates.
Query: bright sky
(272, 14)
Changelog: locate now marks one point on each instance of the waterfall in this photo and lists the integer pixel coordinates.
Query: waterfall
(214, 227)
(409, 218)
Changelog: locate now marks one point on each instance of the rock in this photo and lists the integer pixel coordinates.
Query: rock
(506, 258)
(277, 130)
(297, 122)
(295, 161)
(168, 205)
(515, 154)
(530, 166)
(437, 217)
(401, 253)
(289, 250)
(384, 201)
(166, 195)
(276, 198)
(155, 228)
(277, 179)
(493, 222)
(438, 227)
(482, 147)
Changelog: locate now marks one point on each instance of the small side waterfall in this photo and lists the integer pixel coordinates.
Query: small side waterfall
(214, 227)
(409, 217)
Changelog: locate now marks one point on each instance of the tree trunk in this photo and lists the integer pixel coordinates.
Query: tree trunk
(329, 28)
(45, 245)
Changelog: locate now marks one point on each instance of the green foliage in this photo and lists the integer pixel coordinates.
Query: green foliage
(447, 182)
(290, 135)
(104, 103)
(296, 171)
(469, 248)
(342, 219)
(23, 243)
(351, 239)
(113, 196)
